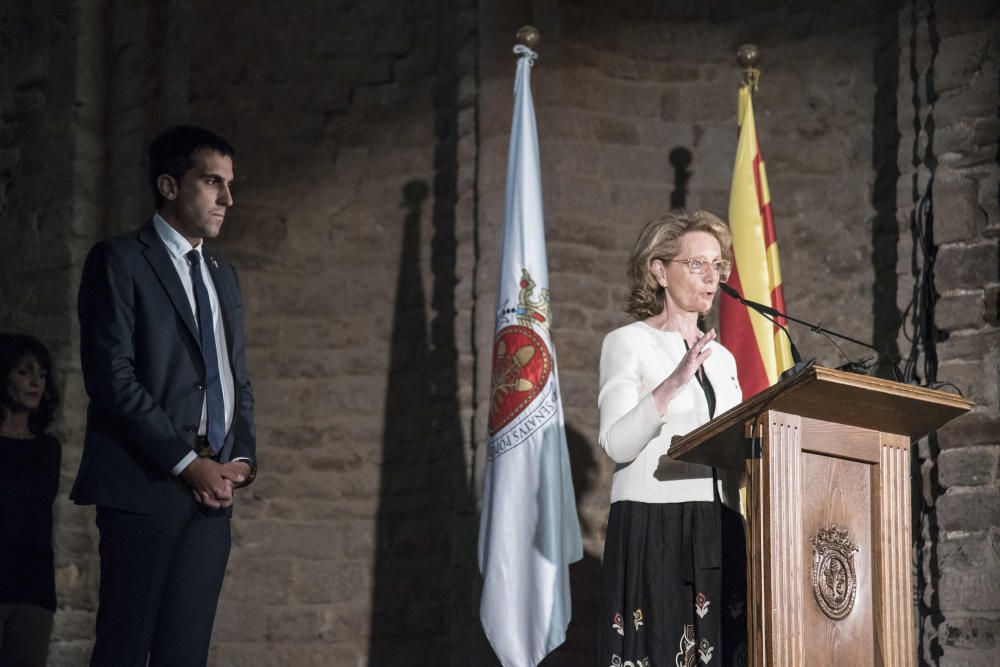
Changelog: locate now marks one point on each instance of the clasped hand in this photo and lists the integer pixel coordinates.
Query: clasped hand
(212, 483)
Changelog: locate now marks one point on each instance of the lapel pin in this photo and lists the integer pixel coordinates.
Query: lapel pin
(214, 263)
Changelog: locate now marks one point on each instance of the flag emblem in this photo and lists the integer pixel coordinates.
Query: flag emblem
(532, 311)
(521, 367)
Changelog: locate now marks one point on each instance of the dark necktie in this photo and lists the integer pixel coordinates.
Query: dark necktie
(213, 382)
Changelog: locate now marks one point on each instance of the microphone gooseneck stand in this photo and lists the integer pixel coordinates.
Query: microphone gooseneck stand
(770, 313)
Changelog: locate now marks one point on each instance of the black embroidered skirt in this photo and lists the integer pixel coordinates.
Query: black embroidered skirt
(674, 586)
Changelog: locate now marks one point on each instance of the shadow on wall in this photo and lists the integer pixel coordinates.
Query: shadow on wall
(680, 159)
(580, 647)
(424, 607)
(426, 527)
(924, 336)
(886, 317)
(420, 557)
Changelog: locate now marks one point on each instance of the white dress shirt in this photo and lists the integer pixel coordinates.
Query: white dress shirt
(634, 360)
(178, 247)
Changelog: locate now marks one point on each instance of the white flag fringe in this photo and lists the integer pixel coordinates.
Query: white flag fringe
(528, 532)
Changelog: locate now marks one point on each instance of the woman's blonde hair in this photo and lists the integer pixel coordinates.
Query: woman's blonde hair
(661, 238)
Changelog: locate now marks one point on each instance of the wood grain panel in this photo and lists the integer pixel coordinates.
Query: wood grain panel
(837, 491)
(755, 521)
(783, 565)
(848, 442)
(891, 534)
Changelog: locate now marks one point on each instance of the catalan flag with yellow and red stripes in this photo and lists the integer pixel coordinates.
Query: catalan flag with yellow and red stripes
(761, 349)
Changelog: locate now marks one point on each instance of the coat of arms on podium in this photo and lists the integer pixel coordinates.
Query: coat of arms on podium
(834, 580)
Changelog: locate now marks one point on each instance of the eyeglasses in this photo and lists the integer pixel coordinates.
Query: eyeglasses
(699, 266)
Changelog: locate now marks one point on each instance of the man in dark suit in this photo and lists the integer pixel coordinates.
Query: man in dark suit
(170, 426)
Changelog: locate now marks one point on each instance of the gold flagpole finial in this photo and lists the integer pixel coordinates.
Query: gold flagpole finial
(529, 36)
(748, 56)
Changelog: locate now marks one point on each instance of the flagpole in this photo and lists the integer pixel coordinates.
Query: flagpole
(529, 532)
(748, 56)
(529, 36)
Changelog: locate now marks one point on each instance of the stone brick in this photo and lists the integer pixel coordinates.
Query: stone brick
(573, 179)
(606, 321)
(264, 654)
(701, 103)
(636, 165)
(982, 344)
(558, 90)
(239, 621)
(624, 99)
(313, 540)
(975, 428)
(301, 624)
(966, 17)
(989, 201)
(578, 388)
(952, 657)
(259, 581)
(73, 625)
(979, 157)
(957, 216)
(975, 100)
(928, 491)
(971, 633)
(580, 290)
(969, 510)
(991, 303)
(958, 58)
(569, 317)
(977, 380)
(956, 139)
(959, 311)
(970, 572)
(985, 132)
(968, 466)
(76, 582)
(577, 259)
(581, 349)
(632, 204)
(70, 653)
(614, 131)
(967, 266)
(711, 171)
(323, 582)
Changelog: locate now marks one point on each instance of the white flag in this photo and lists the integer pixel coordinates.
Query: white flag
(528, 532)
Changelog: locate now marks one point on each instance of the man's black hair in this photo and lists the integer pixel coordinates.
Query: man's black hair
(172, 153)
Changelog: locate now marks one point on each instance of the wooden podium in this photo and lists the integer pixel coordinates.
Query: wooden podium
(827, 459)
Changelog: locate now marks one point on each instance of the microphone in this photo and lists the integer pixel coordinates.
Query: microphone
(865, 367)
(769, 314)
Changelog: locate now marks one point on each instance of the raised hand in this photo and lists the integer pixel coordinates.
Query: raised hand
(689, 365)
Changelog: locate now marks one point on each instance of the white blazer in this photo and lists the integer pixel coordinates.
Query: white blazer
(634, 360)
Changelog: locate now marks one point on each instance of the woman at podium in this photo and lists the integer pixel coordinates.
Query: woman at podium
(674, 564)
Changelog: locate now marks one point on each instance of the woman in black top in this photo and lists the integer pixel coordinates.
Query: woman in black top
(29, 481)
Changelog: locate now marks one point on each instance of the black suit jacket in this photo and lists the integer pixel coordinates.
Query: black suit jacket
(144, 374)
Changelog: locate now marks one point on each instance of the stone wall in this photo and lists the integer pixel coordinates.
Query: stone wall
(949, 193)
(36, 126)
(50, 189)
(371, 157)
